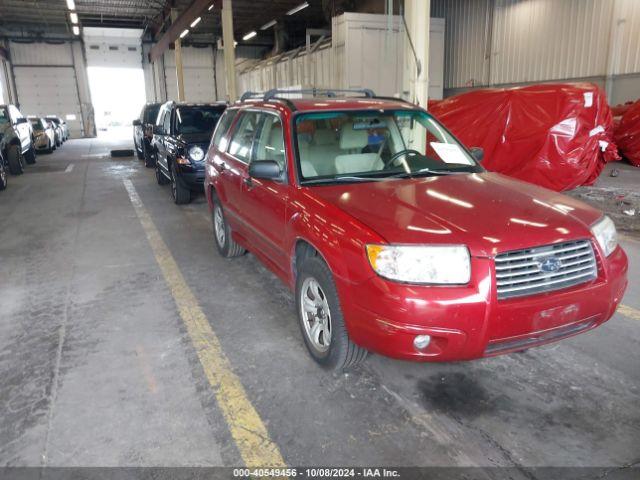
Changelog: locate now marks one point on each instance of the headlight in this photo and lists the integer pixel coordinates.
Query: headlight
(421, 264)
(196, 154)
(605, 233)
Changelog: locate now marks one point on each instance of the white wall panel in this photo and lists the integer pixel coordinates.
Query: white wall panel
(49, 91)
(40, 53)
(46, 81)
(524, 41)
(199, 80)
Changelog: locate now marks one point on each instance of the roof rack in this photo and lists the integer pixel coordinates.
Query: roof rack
(331, 93)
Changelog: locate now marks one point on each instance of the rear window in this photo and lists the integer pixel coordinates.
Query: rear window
(197, 119)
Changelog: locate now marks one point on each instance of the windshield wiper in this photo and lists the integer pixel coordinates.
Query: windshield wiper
(347, 179)
(426, 170)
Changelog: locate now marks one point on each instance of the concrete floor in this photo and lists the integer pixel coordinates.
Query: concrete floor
(97, 368)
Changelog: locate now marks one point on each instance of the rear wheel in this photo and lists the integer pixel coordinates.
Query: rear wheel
(30, 155)
(179, 191)
(16, 162)
(3, 175)
(321, 320)
(227, 246)
(147, 154)
(138, 149)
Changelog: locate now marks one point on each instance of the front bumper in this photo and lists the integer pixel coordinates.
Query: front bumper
(469, 322)
(192, 176)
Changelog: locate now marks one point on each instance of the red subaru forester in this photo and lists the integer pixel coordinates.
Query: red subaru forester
(396, 240)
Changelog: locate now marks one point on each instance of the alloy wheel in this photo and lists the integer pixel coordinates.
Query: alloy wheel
(219, 226)
(316, 314)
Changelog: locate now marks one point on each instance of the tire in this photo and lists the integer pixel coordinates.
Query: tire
(332, 349)
(227, 246)
(138, 150)
(30, 156)
(161, 178)
(14, 157)
(179, 191)
(49, 147)
(149, 161)
(3, 175)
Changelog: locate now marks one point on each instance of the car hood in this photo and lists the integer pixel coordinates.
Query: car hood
(488, 212)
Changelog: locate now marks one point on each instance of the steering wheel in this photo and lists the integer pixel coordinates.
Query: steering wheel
(402, 153)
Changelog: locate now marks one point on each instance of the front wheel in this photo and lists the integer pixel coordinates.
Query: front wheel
(16, 163)
(30, 155)
(227, 246)
(179, 191)
(321, 320)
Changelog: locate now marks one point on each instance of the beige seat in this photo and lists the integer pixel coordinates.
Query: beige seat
(354, 141)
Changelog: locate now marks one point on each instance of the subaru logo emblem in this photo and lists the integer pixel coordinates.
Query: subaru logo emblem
(550, 264)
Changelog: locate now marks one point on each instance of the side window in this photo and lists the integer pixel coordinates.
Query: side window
(270, 143)
(160, 117)
(166, 125)
(220, 139)
(242, 140)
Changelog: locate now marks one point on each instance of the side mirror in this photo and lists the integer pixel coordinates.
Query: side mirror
(158, 130)
(137, 123)
(477, 153)
(265, 169)
(21, 120)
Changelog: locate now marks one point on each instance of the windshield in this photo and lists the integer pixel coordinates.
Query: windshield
(36, 123)
(4, 116)
(54, 120)
(352, 146)
(151, 114)
(197, 119)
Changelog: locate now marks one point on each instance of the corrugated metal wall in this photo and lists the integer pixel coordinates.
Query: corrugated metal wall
(520, 41)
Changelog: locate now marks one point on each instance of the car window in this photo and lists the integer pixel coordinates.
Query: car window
(197, 119)
(166, 125)
(242, 140)
(37, 123)
(4, 116)
(270, 140)
(220, 137)
(377, 144)
(150, 114)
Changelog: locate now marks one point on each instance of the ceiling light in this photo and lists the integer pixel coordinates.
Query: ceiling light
(298, 8)
(76, 30)
(195, 22)
(250, 35)
(210, 7)
(74, 17)
(71, 5)
(184, 33)
(268, 25)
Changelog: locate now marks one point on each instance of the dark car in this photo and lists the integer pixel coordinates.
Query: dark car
(180, 139)
(143, 133)
(16, 143)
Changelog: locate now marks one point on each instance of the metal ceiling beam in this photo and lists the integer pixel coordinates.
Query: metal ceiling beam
(193, 11)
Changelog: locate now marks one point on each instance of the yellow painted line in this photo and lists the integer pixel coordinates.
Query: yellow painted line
(629, 312)
(246, 426)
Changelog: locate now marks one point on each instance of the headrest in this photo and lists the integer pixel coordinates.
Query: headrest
(324, 137)
(351, 139)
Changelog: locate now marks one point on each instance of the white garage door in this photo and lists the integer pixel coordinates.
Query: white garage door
(46, 82)
(199, 82)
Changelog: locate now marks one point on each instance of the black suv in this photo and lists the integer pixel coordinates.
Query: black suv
(143, 133)
(180, 140)
(16, 142)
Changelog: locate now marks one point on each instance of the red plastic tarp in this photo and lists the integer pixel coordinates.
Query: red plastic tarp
(627, 134)
(558, 136)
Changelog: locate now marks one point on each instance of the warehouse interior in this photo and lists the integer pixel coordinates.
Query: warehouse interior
(434, 209)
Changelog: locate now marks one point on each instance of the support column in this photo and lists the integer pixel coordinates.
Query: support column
(7, 78)
(82, 87)
(229, 50)
(178, 54)
(418, 17)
